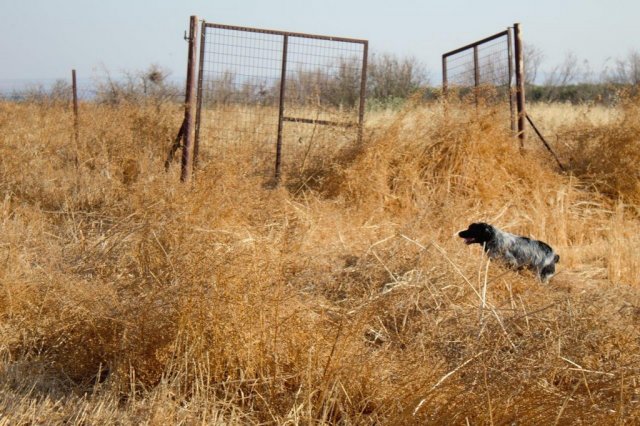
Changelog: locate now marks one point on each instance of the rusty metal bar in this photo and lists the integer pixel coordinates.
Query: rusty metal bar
(283, 79)
(285, 33)
(510, 91)
(444, 76)
(476, 74)
(323, 122)
(475, 43)
(189, 99)
(74, 86)
(545, 142)
(520, 95)
(476, 67)
(196, 142)
(363, 90)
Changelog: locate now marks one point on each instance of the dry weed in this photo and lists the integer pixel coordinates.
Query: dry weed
(342, 296)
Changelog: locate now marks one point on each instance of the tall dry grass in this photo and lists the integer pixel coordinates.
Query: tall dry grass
(343, 296)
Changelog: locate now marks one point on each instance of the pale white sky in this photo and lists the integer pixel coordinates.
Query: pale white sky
(45, 39)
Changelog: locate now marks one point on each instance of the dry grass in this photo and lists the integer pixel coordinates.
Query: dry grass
(552, 116)
(599, 144)
(341, 297)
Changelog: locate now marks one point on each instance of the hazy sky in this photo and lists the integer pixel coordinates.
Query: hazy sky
(45, 39)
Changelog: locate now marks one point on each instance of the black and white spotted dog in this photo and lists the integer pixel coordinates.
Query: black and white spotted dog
(518, 252)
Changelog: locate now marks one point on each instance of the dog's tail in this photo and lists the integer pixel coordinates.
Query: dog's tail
(556, 259)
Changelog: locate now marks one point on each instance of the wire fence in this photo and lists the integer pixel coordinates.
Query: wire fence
(238, 91)
(482, 70)
(277, 96)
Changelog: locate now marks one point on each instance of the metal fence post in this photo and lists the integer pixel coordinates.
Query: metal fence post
(445, 87)
(444, 75)
(283, 80)
(512, 112)
(520, 94)
(189, 100)
(74, 85)
(363, 90)
(196, 142)
(476, 74)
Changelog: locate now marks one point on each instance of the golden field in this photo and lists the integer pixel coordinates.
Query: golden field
(343, 296)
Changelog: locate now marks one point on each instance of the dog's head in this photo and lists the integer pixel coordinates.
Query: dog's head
(477, 233)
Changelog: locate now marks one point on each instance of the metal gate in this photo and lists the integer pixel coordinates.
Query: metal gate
(258, 88)
(483, 69)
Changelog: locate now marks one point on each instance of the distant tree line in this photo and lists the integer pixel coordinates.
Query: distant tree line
(391, 80)
(151, 85)
(605, 93)
(574, 81)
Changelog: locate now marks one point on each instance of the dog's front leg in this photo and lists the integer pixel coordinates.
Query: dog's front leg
(511, 260)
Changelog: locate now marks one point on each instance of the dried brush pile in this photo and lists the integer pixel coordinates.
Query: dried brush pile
(342, 297)
(607, 155)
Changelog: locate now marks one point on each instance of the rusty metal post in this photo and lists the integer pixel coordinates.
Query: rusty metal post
(444, 76)
(363, 90)
(510, 80)
(283, 80)
(74, 86)
(546, 144)
(445, 87)
(189, 100)
(476, 74)
(520, 99)
(196, 142)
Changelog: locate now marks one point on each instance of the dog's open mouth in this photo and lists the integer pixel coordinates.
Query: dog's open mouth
(468, 239)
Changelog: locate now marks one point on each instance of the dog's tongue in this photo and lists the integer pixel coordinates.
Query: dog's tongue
(468, 241)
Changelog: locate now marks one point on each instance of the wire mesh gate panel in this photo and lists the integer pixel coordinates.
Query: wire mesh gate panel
(277, 98)
(483, 70)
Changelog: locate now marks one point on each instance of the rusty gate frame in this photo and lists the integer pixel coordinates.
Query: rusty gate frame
(514, 47)
(281, 101)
